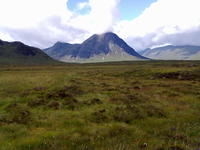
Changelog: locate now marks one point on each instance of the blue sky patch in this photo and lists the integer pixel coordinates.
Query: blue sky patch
(73, 6)
(130, 9)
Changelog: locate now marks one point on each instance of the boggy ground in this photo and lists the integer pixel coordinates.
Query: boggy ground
(108, 106)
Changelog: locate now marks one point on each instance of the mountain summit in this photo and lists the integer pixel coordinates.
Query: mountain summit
(98, 48)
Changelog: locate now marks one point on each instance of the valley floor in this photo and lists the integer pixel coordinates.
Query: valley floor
(107, 106)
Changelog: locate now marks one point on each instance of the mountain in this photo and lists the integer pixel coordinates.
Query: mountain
(98, 48)
(13, 53)
(171, 52)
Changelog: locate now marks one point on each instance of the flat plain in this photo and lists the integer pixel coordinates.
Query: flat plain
(153, 105)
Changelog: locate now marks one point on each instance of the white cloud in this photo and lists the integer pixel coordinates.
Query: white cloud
(101, 18)
(162, 21)
(35, 22)
(43, 22)
(23, 13)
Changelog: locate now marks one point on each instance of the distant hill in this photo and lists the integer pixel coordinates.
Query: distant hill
(13, 53)
(98, 48)
(171, 52)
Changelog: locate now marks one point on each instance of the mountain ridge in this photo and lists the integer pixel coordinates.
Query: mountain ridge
(16, 52)
(172, 52)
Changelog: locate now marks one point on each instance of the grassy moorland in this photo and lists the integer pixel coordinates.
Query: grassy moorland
(111, 106)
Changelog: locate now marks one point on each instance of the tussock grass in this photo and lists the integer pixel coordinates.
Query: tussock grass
(106, 106)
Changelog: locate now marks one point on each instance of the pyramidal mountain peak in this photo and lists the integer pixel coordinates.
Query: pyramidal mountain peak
(97, 48)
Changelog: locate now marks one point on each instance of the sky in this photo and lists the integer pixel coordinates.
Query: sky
(141, 23)
(129, 9)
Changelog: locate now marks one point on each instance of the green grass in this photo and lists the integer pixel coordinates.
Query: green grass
(105, 106)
